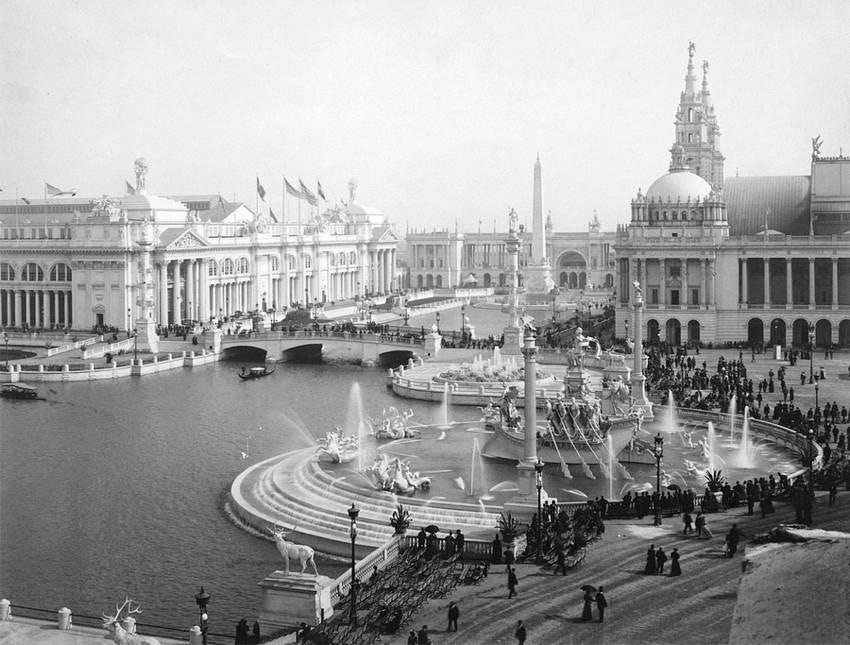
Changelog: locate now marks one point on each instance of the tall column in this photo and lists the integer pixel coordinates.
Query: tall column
(789, 284)
(393, 271)
(190, 303)
(684, 300)
(705, 269)
(373, 271)
(27, 306)
(175, 292)
(47, 311)
(712, 282)
(662, 289)
(204, 290)
(68, 321)
(55, 297)
(767, 282)
(744, 283)
(163, 293)
(638, 379)
(834, 301)
(529, 456)
(811, 282)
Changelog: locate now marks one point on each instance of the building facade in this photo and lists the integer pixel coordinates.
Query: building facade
(764, 260)
(75, 263)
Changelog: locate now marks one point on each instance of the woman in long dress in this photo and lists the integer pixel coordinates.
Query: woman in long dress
(675, 569)
(650, 561)
(587, 612)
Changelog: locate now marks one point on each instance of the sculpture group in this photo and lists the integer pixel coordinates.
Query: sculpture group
(396, 476)
(394, 425)
(337, 447)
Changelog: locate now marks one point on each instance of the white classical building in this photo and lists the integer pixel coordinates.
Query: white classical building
(74, 263)
(764, 260)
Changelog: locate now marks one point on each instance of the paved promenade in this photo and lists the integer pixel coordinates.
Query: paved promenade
(696, 607)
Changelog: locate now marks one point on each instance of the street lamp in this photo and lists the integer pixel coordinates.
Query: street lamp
(406, 315)
(462, 319)
(626, 323)
(353, 512)
(538, 468)
(129, 320)
(135, 346)
(811, 350)
(438, 321)
(658, 452)
(816, 397)
(202, 598)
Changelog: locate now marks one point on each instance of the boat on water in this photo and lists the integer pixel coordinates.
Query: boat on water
(574, 433)
(255, 372)
(20, 391)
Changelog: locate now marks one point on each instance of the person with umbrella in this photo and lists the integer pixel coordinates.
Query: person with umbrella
(587, 610)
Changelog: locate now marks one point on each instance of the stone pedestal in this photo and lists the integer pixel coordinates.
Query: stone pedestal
(433, 343)
(537, 280)
(146, 336)
(290, 599)
(512, 344)
(576, 381)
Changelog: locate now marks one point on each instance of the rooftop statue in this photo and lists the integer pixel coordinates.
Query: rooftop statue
(513, 221)
(816, 144)
(141, 168)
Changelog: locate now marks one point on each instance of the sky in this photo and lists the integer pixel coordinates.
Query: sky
(436, 108)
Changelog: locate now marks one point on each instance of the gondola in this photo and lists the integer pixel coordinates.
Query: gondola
(255, 372)
(20, 391)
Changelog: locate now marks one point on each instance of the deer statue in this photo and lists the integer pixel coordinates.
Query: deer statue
(304, 554)
(120, 635)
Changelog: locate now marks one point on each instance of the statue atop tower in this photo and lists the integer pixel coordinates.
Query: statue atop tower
(141, 168)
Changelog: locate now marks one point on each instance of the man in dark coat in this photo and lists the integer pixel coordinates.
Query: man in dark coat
(520, 633)
(660, 559)
(459, 542)
(422, 636)
(454, 614)
(421, 537)
(601, 603)
(512, 582)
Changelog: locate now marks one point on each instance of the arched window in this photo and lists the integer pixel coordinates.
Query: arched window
(439, 282)
(308, 262)
(332, 258)
(227, 267)
(60, 273)
(684, 216)
(690, 137)
(242, 265)
(32, 273)
(212, 268)
(290, 262)
(341, 258)
(690, 119)
(6, 271)
(352, 258)
(275, 263)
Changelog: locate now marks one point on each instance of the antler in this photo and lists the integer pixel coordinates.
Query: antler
(131, 610)
(107, 619)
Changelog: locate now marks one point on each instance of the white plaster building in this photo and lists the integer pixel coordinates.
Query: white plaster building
(74, 262)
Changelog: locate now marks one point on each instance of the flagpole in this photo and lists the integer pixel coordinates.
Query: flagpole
(257, 194)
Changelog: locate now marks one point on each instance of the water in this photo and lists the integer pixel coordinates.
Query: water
(733, 411)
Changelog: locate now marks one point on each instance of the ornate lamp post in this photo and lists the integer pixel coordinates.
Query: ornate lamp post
(406, 315)
(626, 323)
(811, 453)
(135, 346)
(129, 321)
(811, 350)
(817, 385)
(658, 453)
(353, 512)
(438, 321)
(538, 469)
(462, 319)
(203, 598)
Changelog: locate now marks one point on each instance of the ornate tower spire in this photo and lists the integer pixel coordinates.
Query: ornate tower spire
(690, 78)
(706, 93)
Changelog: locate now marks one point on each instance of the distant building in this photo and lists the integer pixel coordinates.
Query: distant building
(742, 259)
(74, 262)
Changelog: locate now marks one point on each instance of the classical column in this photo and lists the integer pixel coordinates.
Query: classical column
(392, 269)
(68, 320)
(766, 282)
(46, 298)
(637, 377)
(27, 306)
(789, 284)
(834, 283)
(662, 273)
(372, 271)
(56, 307)
(529, 457)
(684, 300)
(189, 300)
(163, 293)
(811, 282)
(744, 283)
(203, 290)
(704, 299)
(175, 292)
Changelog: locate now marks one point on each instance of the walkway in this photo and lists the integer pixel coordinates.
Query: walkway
(694, 608)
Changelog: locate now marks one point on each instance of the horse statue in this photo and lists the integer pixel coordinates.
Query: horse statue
(619, 395)
(336, 447)
(304, 554)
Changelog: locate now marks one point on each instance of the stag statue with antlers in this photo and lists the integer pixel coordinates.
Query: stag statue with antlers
(120, 635)
(304, 554)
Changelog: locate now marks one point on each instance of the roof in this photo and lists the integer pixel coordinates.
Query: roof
(678, 186)
(780, 202)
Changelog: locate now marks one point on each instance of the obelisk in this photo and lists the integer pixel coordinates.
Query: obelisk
(537, 274)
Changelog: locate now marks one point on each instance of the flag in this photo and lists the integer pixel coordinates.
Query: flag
(25, 201)
(260, 190)
(292, 191)
(320, 191)
(53, 191)
(129, 188)
(309, 196)
(272, 215)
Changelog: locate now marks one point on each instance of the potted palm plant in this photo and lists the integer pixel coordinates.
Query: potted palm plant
(509, 528)
(400, 520)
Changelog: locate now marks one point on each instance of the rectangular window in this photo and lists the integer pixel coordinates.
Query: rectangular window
(674, 297)
(653, 296)
(694, 296)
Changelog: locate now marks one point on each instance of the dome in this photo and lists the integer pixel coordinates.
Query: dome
(678, 186)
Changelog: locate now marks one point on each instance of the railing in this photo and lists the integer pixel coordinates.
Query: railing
(473, 550)
(366, 337)
(69, 347)
(111, 348)
(341, 587)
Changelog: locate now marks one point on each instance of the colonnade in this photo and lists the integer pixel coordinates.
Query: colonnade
(806, 289)
(381, 263)
(694, 285)
(35, 307)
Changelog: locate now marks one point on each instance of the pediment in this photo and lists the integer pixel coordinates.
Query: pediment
(187, 240)
(389, 236)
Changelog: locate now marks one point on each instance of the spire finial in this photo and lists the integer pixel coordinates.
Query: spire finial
(689, 77)
(538, 159)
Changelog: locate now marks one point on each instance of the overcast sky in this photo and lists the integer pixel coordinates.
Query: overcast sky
(438, 109)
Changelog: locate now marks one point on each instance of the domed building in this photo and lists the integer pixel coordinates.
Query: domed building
(758, 260)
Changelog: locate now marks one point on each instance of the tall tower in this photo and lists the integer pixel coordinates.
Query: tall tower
(697, 131)
(538, 229)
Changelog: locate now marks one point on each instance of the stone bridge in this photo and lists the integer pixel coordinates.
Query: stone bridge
(369, 348)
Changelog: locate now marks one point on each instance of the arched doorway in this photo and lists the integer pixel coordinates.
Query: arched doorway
(419, 281)
(502, 280)
(755, 332)
(609, 281)
(488, 281)
(572, 263)
(823, 333)
(800, 333)
(582, 280)
(439, 282)
(844, 333)
(652, 331)
(563, 279)
(693, 331)
(573, 281)
(777, 331)
(673, 332)
(429, 281)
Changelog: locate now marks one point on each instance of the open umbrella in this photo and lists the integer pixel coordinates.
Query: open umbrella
(589, 588)
(674, 487)
(432, 528)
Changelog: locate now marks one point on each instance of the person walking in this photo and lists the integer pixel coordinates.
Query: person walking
(562, 563)
(649, 569)
(660, 559)
(512, 582)
(688, 522)
(587, 609)
(601, 603)
(454, 614)
(520, 633)
(833, 494)
(675, 569)
(700, 523)
(422, 636)
(411, 638)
